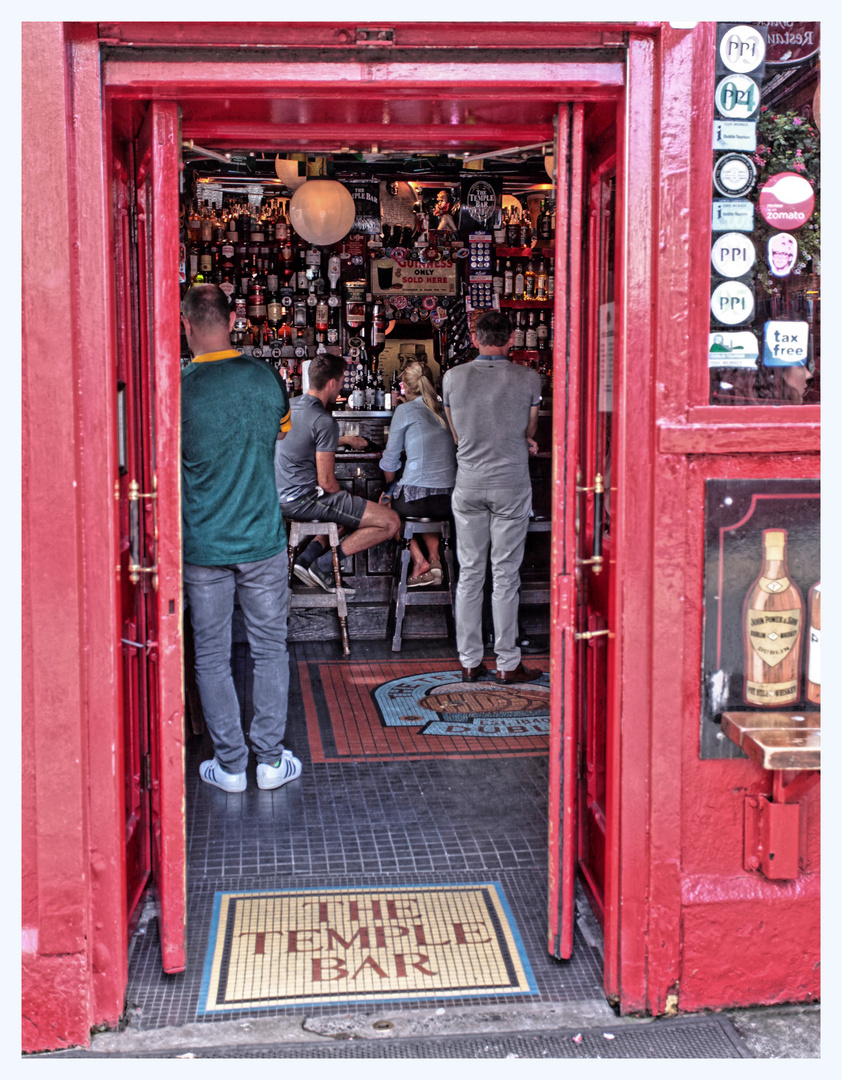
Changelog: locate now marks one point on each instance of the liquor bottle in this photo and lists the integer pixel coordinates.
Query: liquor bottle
(274, 310)
(513, 231)
(377, 332)
(519, 336)
(814, 645)
(541, 281)
(322, 315)
(497, 282)
(545, 224)
(272, 275)
(332, 322)
(300, 348)
(334, 271)
(525, 237)
(519, 281)
(194, 225)
(379, 392)
(357, 398)
(773, 626)
(551, 282)
(299, 312)
(206, 224)
(529, 281)
(508, 281)
(256, 309)
(542, 331)
(532, 332)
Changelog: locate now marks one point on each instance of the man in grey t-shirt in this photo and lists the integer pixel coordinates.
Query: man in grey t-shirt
(491, 405)
(306, 480)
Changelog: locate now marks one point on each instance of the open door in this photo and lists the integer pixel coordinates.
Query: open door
(565, 569)
(155, 512)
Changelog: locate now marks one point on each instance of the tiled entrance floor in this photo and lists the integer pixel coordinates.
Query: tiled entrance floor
(357, 823)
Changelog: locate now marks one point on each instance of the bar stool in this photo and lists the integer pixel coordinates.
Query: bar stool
(298, 530)
(401, 598)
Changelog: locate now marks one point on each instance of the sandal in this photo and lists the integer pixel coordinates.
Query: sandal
(421, 579)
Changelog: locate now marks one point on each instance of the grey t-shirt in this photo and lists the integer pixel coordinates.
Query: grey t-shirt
(490, 399)
(313, 429)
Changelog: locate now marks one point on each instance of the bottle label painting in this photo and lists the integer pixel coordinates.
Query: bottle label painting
(762, 614)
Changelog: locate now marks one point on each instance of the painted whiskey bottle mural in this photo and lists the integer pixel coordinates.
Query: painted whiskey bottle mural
(773, 627)
(814, 645)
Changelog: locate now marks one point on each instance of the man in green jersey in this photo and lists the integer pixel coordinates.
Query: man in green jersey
(233, 410)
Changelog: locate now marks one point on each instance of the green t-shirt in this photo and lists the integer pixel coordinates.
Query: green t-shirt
(232, 409)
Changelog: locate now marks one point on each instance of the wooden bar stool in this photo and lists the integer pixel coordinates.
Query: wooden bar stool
(400, 597)
(298, 530)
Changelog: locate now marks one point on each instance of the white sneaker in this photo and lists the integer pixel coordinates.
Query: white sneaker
(274, 776)
(213, 773)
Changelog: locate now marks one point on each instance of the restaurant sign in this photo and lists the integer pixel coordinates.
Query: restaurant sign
(791, 42)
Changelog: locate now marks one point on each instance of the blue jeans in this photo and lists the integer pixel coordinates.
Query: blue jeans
(264, 597)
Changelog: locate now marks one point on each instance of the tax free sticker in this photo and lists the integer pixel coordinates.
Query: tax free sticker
(785, 344)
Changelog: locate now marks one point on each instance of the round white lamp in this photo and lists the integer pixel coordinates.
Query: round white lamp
(287, 172)
(322, 211)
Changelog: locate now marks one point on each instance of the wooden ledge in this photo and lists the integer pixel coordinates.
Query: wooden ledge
(777, 740)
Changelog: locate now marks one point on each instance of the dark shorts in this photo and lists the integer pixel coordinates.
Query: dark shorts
(433, 506)
(339, 506)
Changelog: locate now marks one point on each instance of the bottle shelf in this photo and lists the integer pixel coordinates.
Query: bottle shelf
(530, 354)
(524, 252)
(527, 305)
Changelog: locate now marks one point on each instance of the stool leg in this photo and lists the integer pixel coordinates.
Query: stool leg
(451, 583)
(341, 605)
(400, 607)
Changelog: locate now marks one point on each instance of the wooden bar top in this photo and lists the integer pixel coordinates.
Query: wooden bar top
(777, 740)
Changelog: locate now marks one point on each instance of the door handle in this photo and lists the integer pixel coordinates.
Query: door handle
(135, 567)
(588, 634)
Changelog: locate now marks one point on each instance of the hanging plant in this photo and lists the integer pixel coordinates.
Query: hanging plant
(787, 142)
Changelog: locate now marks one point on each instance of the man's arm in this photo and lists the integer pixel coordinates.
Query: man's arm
(325, 474)
(532, 426)
(453, 429)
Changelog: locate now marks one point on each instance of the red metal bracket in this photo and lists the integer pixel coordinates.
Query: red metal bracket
(772, 833)
(797, 788)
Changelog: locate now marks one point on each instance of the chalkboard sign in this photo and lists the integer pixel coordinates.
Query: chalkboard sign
(366, 195)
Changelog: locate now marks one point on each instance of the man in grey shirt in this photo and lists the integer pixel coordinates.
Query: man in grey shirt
(491, 405)
(306, 481)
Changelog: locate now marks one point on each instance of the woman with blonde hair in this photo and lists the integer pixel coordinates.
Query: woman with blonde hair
(420, 431)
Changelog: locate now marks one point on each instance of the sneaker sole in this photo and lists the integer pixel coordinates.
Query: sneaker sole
(280, 783)
(328, 588)
(303, 574)
(231, 790)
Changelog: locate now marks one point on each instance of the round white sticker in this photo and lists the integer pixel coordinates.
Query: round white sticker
(732, 303)
(733, 255)
(734, 175)
(737, 97)
(742, 48)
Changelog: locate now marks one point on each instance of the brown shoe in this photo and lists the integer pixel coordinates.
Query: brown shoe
(471, 674)
(518, 674)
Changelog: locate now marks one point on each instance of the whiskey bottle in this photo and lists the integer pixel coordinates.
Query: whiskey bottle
(519, 281)
(532, 332)
(542, 331)
(508, 281)
(529, 282)
(773, 625)
(497, 280)
(541, 281)
(519, 336)
(814, 645)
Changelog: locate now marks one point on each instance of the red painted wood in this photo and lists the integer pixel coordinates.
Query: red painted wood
(431, 35)
(157, 173)
(566, 427)
(746, 438)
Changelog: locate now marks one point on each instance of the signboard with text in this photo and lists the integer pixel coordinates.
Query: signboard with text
(413, 276)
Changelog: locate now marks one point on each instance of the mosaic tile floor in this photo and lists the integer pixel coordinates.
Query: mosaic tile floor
(396, 820)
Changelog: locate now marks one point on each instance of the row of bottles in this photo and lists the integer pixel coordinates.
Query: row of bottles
(517, 231)
(774, 631)
(532, 330)
(520, 279)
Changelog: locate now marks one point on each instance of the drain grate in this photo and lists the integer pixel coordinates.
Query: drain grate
(692, 1037)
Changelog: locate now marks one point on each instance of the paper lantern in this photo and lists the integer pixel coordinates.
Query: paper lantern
(287, 172)
(322, 211)
(549, 165)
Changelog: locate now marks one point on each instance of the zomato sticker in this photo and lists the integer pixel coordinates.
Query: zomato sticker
(785, 343)
(787, 200)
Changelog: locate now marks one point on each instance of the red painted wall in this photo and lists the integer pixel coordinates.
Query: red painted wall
(73, 888)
